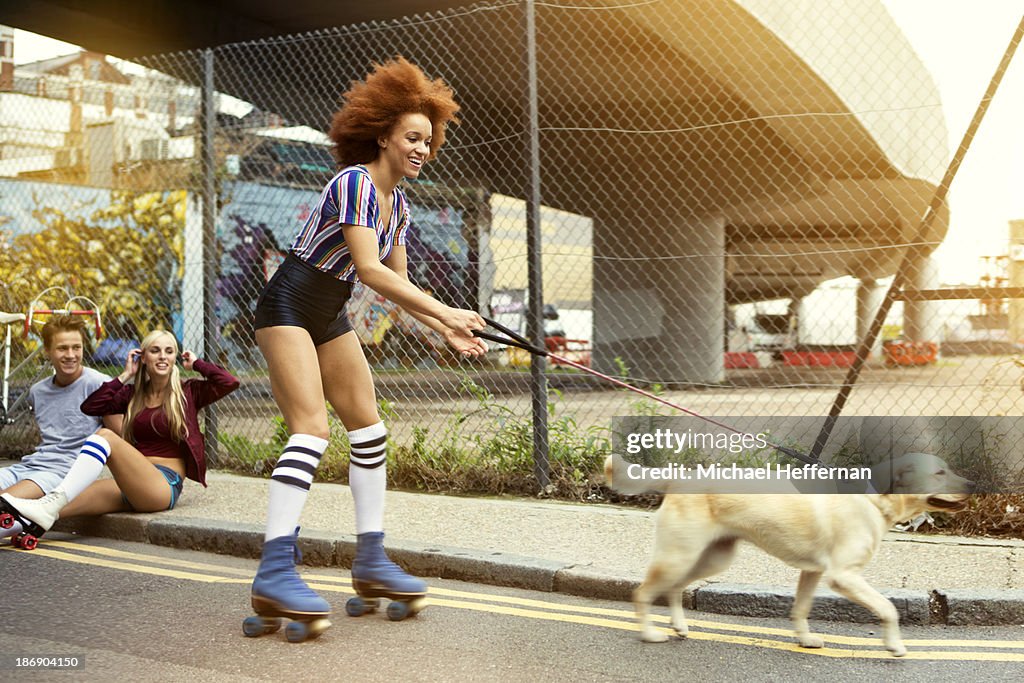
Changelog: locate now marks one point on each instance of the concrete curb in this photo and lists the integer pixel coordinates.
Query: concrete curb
(771, 601)
(938, 606)
(981, 607)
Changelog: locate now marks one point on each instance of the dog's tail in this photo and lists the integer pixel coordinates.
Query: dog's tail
(631, 479)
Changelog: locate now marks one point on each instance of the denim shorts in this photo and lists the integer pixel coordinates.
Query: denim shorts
(300, 295)
(173, 479)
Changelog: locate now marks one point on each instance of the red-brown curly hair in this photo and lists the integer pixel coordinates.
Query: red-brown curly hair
(372, 107)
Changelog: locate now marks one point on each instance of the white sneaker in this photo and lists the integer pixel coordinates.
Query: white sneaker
(42, 511)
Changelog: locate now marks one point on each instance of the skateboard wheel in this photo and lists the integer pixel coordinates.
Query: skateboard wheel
(356, 607)
(296, 631)
(416, 606)
(398, 611)
(6, 520)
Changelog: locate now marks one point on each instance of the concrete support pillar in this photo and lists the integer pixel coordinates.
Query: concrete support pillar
(869, 298)
(921, 321)
(662, 316)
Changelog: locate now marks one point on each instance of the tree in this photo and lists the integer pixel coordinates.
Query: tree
(127, 256)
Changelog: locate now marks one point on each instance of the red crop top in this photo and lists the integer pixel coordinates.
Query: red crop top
(152, 436)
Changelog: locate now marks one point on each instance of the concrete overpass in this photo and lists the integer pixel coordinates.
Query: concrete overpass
(754, 148)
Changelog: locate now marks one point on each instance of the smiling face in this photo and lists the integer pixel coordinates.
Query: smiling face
(406, 148)
(159, 355)
(65, 354)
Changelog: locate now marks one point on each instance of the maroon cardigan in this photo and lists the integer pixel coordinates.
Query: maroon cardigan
(112, 399)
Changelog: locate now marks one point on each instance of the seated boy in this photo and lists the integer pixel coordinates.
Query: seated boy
(56, 402)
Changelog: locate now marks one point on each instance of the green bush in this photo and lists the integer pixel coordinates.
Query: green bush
(449, 460)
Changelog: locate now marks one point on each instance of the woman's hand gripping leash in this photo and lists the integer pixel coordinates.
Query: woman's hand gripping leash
(463, 332)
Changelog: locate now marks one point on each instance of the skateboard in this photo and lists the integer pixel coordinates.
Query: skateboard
(368, 600)
(270, 615)
(28, 537)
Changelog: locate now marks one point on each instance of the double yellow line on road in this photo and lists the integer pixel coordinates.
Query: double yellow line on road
(849, 647)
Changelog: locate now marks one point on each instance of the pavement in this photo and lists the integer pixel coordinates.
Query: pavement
(591, 550)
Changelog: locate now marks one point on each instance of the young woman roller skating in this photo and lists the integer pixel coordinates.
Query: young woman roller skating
(388, 126)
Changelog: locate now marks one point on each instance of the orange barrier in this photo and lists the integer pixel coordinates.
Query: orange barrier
(739, 360)
(907, 353)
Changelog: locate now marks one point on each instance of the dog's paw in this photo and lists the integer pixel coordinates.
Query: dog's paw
(681, 631)
(810, 640)
(896, 649)
(653, 635)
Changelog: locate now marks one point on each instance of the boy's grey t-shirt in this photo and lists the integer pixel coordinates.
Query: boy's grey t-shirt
(62, 424)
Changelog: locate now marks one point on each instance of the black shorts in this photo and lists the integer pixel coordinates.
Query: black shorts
(300, 295)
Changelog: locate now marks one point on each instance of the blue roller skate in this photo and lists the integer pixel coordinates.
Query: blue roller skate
(374, 576)
(278, 592)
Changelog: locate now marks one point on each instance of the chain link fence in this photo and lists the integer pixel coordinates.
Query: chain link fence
(726, 192)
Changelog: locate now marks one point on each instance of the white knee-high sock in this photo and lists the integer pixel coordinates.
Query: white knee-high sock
(367, 475)
(290, 482)
(87, 466)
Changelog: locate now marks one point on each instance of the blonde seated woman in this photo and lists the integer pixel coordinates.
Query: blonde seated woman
(161, 442)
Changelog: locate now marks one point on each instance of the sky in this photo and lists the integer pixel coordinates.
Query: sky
(960, 42)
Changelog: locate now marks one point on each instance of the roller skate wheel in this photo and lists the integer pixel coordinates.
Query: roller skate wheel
(356, 607)
(296, 631)
(398, 611)
(6, 520)
(253, 627)
(317, 627)
(29, 542)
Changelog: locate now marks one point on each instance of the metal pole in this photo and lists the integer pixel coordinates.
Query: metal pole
(211, 351)
(535, 315)
(926, 222)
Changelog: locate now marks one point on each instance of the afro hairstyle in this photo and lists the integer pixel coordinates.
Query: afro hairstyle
(371, 108)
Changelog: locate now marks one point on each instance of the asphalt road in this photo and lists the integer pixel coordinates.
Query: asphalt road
(146, 613)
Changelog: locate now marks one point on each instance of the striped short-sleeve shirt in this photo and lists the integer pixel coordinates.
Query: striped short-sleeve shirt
(349, 199)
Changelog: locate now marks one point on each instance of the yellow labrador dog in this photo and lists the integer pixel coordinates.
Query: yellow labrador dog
(834, 536)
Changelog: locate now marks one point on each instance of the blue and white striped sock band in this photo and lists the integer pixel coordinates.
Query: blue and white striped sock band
(369, 446)
(299, 460)
(97, 447)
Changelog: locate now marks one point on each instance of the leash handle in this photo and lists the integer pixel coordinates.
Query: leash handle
(511, 338)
